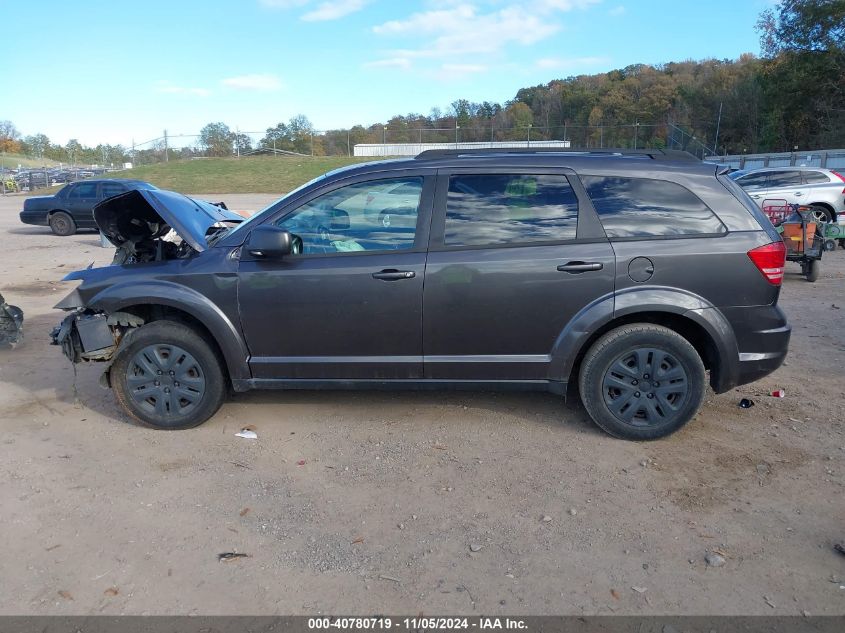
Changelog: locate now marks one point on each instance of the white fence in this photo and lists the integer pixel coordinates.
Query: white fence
(829, 158)
(412, 149)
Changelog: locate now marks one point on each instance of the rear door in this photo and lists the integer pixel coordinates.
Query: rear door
(787, 185)
(755, 185)
(80, 201)
(511, 260)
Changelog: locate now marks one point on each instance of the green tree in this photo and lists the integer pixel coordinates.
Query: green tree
(216, 139)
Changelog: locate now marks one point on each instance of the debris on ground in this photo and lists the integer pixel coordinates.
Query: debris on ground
(573, 511)
(11, 324)
(779, 393)
(111, 591)
(227, 557)
(386, 577)
(475, 547)
(66, 595)
(546, 518)
(840, 547)
(301, 462)
(746, 403)
(247, 434)
(640, 589)
(714, 559)
(769, 602)
(244, 512)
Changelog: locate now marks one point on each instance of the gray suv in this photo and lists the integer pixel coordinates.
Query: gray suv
(821, 189)
(626, 274)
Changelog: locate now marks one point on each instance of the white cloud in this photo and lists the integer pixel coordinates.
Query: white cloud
(165, 87)
(261, 82)
(558, 63)
(452, 72)
(334, 9)
(617, 11)
(390, 62)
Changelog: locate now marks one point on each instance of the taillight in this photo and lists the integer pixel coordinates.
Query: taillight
(838, 175)
(770, 261)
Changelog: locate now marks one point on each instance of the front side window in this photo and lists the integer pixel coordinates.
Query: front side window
(645, 207)
(84, 190)
(753, 180)
(496, 209)
(376, 215)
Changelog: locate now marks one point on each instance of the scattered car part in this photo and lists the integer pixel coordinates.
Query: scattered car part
(11, 324)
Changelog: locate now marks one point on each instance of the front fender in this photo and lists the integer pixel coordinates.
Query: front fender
(119, 296)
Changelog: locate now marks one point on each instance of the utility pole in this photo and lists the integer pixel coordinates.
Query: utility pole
(165, 146)
(718, 123)
(457, 127)
(312, 142)
(348, 146)
(529, 135)
(636, 133)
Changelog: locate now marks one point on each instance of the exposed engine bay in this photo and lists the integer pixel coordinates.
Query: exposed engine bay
(150, 226)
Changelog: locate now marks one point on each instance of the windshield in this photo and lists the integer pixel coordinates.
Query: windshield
(271, 206)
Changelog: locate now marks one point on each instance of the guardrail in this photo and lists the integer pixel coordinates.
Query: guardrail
(828, 158)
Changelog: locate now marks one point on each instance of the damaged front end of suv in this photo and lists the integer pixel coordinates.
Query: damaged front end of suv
(149, 229)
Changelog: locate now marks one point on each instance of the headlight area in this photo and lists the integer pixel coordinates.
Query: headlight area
(87, 335)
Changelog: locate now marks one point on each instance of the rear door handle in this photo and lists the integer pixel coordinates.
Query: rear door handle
(579, 267)
(799, 193)
(391, 274)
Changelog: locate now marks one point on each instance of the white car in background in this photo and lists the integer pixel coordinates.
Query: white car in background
(821, 189)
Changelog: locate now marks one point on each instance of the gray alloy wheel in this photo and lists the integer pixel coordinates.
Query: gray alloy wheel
(62, 224)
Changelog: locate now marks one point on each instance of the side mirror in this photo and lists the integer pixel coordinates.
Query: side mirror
(270, 242)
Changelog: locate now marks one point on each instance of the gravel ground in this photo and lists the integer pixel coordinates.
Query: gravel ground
(414, 502)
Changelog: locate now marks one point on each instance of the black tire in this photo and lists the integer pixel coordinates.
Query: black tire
(813, 270)
(830, 245)
(649, 410)
(62, 224)
(148, 368)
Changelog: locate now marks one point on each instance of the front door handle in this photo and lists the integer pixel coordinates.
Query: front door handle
(391, 274)
(579, 267)
(755, 196)
(799, 193)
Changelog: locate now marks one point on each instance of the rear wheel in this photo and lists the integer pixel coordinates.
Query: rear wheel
(168, 376)
(62, 224)
(821, 214)
(642, 382)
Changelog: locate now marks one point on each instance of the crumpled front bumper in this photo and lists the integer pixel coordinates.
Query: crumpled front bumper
(84, 336)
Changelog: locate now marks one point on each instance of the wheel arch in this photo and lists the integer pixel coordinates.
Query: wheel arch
(827, 206)
(692, 317)
(163, 300)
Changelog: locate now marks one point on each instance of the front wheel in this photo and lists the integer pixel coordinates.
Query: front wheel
(168, 376)
(642, 381)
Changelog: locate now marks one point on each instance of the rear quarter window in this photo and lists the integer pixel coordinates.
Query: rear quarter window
(815, 177)
(647, 207)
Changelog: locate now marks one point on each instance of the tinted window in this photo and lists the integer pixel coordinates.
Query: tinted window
(753, 180)
(84, 190)
(369, 216)
(644, 207)
(507, 209)
(815, 177)
(110, 189)
(784, 179)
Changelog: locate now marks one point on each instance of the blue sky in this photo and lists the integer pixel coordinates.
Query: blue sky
(106, 71)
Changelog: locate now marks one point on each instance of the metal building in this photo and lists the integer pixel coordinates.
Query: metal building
(412, 149)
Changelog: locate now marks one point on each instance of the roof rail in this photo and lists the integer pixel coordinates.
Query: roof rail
(654, 154)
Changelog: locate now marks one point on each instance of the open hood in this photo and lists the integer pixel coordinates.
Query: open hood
(142, 215)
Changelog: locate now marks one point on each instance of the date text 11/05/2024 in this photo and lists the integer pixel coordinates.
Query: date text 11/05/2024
(416, 624)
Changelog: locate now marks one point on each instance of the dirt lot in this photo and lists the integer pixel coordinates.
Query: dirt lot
(419, 502)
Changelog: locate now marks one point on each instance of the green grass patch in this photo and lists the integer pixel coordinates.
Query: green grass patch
(249, 174)
(11, 161)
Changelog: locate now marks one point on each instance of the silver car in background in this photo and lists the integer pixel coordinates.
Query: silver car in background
(822, 189)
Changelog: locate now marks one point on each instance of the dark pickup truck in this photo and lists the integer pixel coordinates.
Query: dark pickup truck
(71, 208)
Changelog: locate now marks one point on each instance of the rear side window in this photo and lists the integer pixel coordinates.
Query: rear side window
(495, 209)
(815, 177)
(645, 207)
(84, 190)
(754, 180)
(784, 179)
(110, 189)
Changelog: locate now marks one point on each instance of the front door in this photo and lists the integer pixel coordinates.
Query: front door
(510, 265)
(348, 305)
(80, 202)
